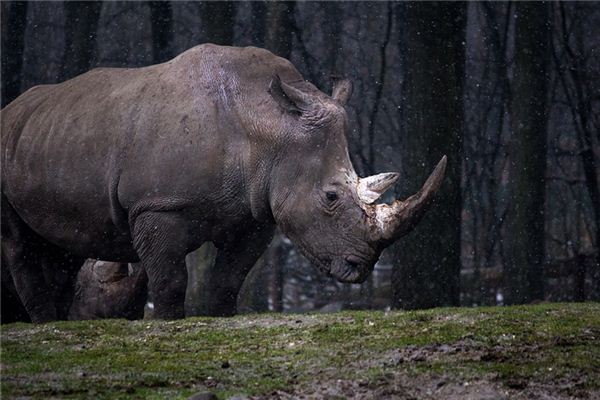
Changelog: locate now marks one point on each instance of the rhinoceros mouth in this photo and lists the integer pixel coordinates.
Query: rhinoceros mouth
(349, 270)
(344, 269)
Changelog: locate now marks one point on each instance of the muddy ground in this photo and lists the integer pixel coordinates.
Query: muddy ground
(547, 351)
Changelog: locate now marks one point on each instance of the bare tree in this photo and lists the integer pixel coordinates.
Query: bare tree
(217, 22)
(279, 25)
(81, 23)
(199, 264)
(524, 275)
(14, 22)
(576, 78)
(161, 19)
(487, 101)
(427, 268)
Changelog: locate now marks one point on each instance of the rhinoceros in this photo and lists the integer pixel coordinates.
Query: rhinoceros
(219, 144)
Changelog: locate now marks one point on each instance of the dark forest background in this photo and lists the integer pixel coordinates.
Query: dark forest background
(509, 91)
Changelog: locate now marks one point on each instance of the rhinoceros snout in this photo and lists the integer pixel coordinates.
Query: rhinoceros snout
(350, 270)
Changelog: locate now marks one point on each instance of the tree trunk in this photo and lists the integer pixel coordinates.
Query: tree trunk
(524, 275)
(427, 268)
(275, 255)
(198, 263)
(254, 297)
(81, 23)
(258, 11)
(591, 175)
(161, 18)
(279, 23)
(217, 22)
(576, 77)
(333, 18)
(13, 43)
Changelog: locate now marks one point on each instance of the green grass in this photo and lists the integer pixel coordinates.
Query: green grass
(258, 354)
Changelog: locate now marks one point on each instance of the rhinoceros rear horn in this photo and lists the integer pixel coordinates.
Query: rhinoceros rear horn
(372, 187)
(342, 90)
(288, 97)
(399, 218)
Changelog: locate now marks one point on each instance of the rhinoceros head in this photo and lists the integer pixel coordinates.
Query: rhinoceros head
(318, 200)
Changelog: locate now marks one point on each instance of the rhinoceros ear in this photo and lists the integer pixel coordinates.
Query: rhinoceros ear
(342, 90)
(289, 98)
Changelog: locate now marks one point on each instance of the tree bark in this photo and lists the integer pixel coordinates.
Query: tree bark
(81, 23)
(198, 263)
(279, 23)
(333, 18)
(275, 255)
(161, 18)
(13, 44)
(427, 267)
(217, 22)
(524, 274)
(576, 77)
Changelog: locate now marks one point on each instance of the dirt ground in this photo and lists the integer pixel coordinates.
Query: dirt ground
(547, 351)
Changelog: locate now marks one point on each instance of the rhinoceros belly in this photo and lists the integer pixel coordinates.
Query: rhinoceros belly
(59, 176)
(80, 223)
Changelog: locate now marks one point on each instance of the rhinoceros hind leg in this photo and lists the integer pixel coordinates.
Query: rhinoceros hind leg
(162, 240)
(235, 259)
(60, 270)
(12, 309)
(23, 253)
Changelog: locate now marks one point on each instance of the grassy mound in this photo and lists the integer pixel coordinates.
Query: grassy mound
(547, 350)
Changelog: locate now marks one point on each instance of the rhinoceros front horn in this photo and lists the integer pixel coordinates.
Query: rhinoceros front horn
(396, 220)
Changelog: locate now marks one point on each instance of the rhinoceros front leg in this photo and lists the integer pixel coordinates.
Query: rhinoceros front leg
(235, 258)
(162, 240)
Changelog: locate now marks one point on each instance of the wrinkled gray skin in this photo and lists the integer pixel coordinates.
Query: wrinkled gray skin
(105, 289)
(219, 144)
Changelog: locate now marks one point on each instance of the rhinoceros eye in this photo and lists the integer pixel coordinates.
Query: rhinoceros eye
(331, 196)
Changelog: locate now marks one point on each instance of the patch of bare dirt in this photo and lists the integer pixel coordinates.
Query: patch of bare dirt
(265, 321)
(397, 386)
